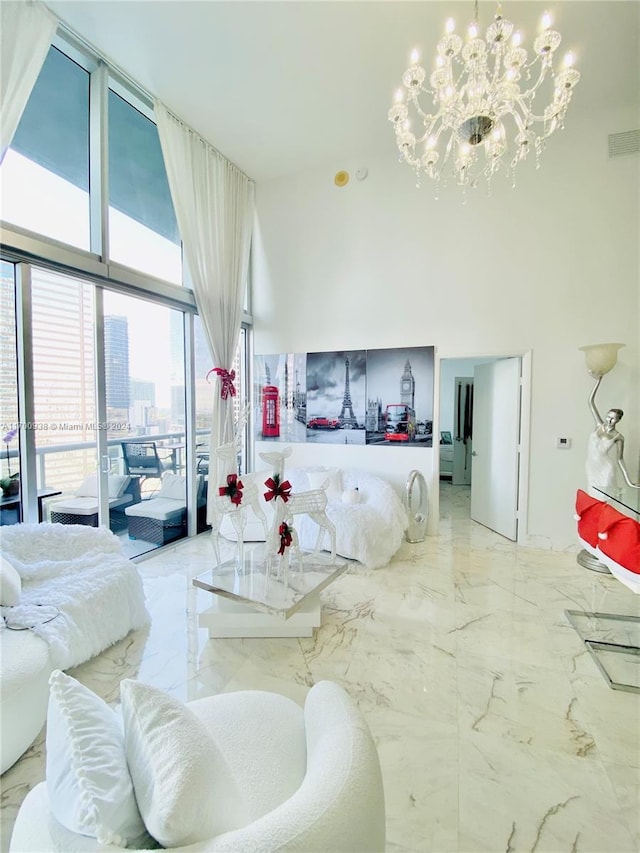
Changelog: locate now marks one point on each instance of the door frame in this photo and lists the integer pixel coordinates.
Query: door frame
(525, 430)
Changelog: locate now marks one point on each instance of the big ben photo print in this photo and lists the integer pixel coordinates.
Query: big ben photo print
(400, 397)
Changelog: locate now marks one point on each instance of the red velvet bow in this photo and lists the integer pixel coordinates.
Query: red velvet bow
(285, 537)
(226, 377)
(277, 489)
(233, 488)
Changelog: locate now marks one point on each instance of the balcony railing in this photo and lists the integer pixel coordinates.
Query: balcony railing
(61, 468)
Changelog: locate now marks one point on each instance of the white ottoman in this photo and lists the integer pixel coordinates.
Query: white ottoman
(24, 692)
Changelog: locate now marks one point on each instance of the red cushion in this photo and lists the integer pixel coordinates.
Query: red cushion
(619, 538)
(588, 512)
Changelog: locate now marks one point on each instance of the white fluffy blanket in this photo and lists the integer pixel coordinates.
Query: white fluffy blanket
(370, 531)
(83, 572)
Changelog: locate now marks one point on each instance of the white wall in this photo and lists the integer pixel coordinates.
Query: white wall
(548, 266)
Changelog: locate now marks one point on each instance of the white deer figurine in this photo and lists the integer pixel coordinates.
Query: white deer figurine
(227, 467)
(286, 541)
(312, 503)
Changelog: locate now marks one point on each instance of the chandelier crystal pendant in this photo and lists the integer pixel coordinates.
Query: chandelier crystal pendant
(483, 112)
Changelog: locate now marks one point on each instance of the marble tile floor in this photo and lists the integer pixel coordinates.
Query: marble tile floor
(495, 729)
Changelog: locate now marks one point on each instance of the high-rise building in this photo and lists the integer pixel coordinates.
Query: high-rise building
(142, 390)
(116, 360)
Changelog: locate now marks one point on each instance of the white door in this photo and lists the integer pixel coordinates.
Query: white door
(496, 437)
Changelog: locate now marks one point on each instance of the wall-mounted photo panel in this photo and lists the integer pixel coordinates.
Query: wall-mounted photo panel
(336, 395)
(280, 397)
(400, 397)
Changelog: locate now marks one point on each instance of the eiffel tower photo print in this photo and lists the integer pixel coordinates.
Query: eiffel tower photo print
(336, 394)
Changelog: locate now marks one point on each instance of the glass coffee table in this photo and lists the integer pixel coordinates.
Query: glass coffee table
(248, 601)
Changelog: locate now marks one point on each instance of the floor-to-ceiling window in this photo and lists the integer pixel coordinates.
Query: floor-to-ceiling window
(64, 396)
(87, 214)
(44, 177)
(143, 232)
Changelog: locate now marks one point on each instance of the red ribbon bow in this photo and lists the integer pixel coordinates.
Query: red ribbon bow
(285, 537)
(277, 489)
(233, 488)
(226, 377)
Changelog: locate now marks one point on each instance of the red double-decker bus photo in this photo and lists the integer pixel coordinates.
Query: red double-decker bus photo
(399, 423)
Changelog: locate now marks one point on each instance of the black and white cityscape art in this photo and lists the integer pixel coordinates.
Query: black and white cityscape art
(382, 397)
(336, 397)
(400, 397)
(280, 392)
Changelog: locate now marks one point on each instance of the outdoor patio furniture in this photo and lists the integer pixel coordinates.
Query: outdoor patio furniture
(163, 518)
(82, 507)
(141, 459)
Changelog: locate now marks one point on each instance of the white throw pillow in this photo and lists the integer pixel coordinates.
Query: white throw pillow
(10, 583)
(183, 790)
(333, 475)
(88, 782)
(118, 485)
(89, 486)
(174, 487)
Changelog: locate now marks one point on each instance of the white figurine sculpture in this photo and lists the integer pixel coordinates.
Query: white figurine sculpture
(605, 451)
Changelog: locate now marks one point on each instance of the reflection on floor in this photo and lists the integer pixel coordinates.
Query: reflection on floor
(135, 547)
(495, 728)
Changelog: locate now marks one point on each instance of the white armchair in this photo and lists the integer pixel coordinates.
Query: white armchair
(279, 777)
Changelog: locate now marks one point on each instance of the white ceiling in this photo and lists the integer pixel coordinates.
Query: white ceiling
(282, 86)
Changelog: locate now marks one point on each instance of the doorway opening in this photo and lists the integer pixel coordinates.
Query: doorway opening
(484, 440)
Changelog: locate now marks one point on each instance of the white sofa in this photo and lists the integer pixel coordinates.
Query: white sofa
(236, 772)
(369, 517)
(79, 573)
(25, 666)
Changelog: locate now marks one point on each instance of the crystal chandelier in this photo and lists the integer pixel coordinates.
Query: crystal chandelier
(480, 98)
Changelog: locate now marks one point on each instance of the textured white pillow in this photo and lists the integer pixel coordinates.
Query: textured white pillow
(174, 486)
(10, 584)
(88, 782)
(183, 790)
(333, 475)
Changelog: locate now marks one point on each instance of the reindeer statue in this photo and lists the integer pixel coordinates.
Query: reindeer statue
(233, 495)
(312, 503)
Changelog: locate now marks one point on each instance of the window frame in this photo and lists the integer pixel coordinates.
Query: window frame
(25, 248)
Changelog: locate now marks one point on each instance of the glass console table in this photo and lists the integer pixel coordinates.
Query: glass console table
(612, 639)
(251, 602)
(627, 500)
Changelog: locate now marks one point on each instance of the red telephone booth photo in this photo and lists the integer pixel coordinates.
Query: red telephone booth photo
(270, 412)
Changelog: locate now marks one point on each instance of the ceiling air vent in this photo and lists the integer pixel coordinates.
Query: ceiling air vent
(621, 144)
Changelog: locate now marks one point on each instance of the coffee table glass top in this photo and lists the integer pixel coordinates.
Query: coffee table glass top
(249, 582)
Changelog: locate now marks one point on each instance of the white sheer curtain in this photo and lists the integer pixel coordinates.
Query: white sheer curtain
(214, 204)
(26, 30)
